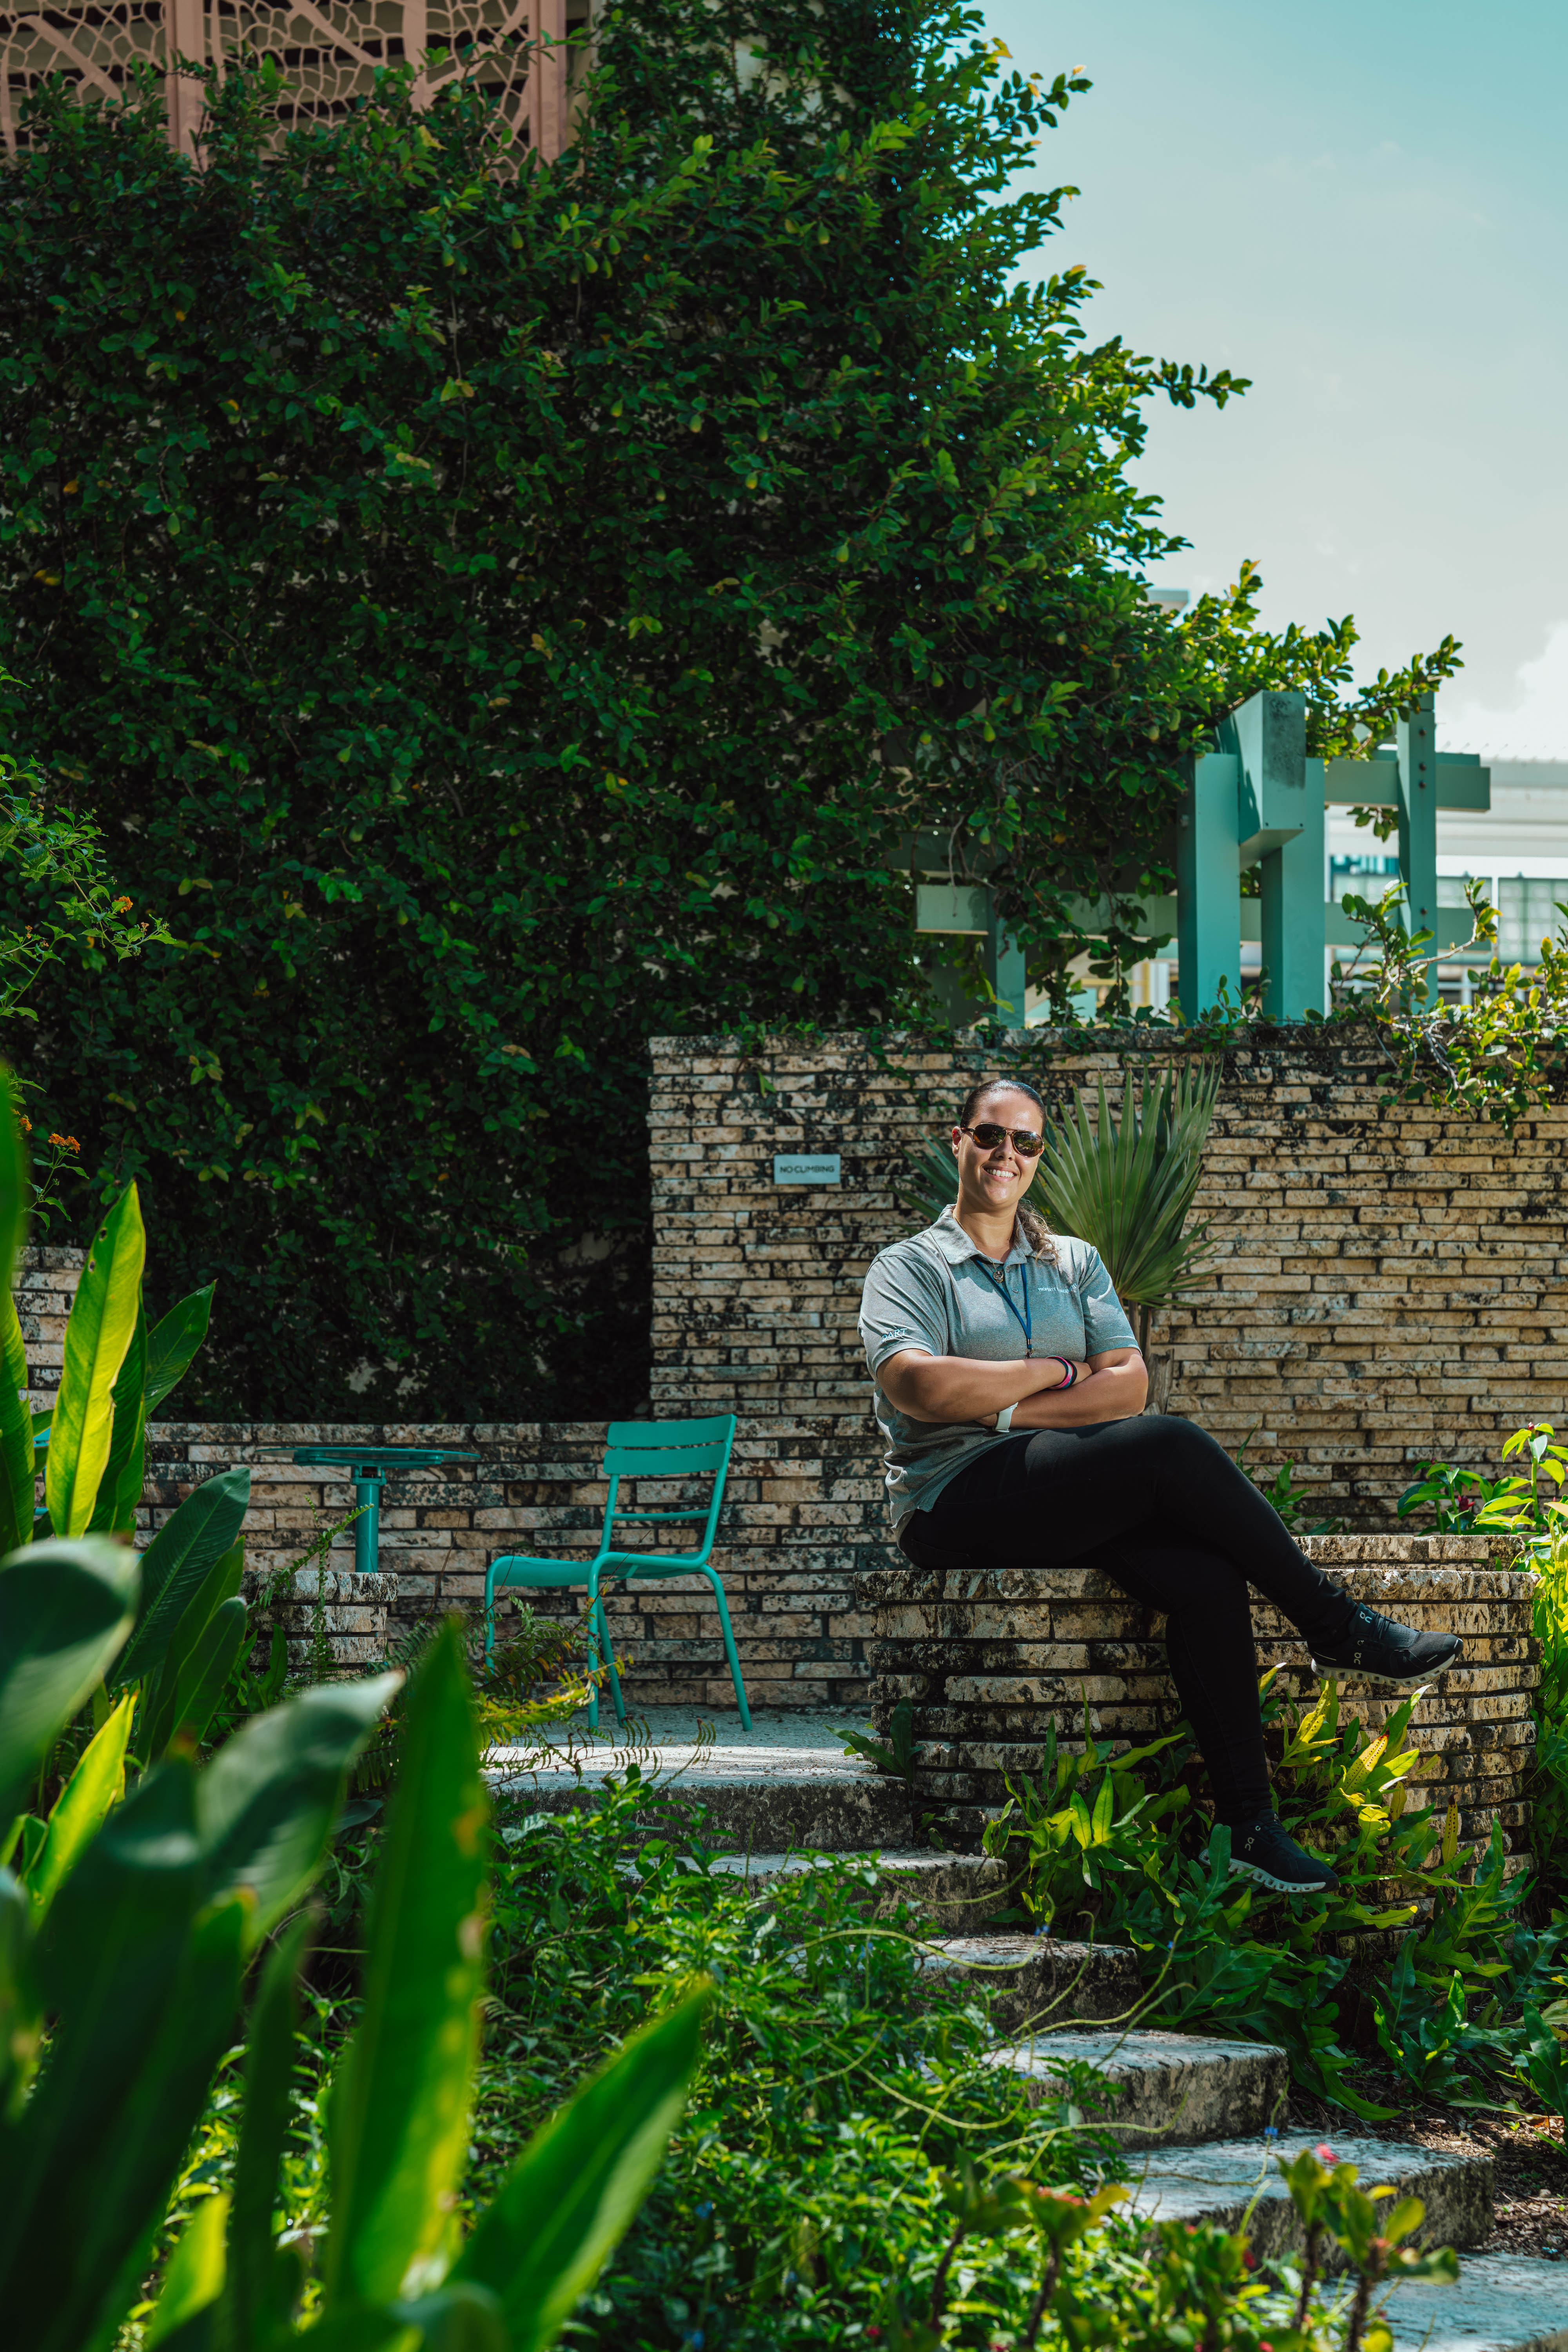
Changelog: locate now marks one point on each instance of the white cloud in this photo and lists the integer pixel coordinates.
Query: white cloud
(1535, 727)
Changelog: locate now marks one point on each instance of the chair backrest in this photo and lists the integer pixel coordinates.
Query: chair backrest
(669, 1449)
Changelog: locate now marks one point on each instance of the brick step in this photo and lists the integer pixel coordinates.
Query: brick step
(1172, 2090)
(959, 1891)
(1033, 1979)
(1503, 2303)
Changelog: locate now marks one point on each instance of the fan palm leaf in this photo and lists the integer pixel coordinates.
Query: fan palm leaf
(930, 1183)
(1127, 1187)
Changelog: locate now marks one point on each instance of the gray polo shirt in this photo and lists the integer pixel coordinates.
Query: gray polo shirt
(936, 1292)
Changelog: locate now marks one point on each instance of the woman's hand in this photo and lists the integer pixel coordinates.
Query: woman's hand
(1114, 1386)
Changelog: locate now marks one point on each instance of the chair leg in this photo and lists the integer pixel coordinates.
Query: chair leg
(597, 1607)
(610, 1661)
(489, 1614)
(592, 1686)
(712, 1577)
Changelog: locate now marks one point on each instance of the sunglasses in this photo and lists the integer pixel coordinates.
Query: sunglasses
(1027, 1146)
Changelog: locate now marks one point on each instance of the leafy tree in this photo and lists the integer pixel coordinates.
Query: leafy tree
(502, 613)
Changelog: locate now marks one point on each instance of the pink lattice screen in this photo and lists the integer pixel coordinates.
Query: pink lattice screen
(514, 50)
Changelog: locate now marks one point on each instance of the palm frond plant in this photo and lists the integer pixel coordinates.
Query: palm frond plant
(930, 1183)
(1126, 1186)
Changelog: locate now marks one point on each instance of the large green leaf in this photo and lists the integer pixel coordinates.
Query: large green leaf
(18, 1474)
(82, 1806)
(176, 1564)
(98, 1332)
(125, 1472)
(193, 2281)
(256, 2296)
(267, 1802)
(207, 1669)
(461, 2317)
(142, 1991)
(65, 1612)
(114, 2230)
(16, 1181)
(400, 2116)
(570, 2196)
(18, 1996)
(174, 1342)
(168, 1690)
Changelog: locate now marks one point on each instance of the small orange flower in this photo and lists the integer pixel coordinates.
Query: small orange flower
(121, 905)
(65, 1144)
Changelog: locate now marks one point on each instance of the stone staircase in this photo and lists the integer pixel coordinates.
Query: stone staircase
(1191, 2109)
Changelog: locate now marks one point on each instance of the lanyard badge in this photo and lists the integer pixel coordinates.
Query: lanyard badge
(1026, 1320)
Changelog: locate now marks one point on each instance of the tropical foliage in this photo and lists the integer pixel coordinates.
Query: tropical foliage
(121, 1965)
(504, 613)
(1127, 1185)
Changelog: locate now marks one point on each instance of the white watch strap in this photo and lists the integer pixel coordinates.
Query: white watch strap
(1004, 1418)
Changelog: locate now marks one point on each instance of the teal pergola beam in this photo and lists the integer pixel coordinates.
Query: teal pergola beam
(1279, 825)
(1003, 969)
(1416, 744)
(1208, 921)
(1254, 800)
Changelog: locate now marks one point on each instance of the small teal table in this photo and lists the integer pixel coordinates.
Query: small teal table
(371, 1466)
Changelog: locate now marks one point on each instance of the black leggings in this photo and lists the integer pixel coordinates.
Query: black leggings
(1165, 1513)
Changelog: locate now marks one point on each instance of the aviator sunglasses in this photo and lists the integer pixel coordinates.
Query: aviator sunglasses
(1027, 1146)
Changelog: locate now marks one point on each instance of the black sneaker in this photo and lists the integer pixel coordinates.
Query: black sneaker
(1266, 1851)
(1376, 1649)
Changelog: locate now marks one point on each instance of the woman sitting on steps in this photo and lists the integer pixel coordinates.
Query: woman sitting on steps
(1011, 1394)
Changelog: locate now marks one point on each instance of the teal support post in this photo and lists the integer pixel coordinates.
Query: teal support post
(1280, 823)
(369, 1480)
(1416, 751)
(1208, 910)
(1004, 968)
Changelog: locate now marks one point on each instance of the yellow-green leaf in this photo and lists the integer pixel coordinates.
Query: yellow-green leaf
(102, 1322)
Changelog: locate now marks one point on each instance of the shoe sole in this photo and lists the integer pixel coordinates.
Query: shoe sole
(1387, 1682)
(1281, 1886)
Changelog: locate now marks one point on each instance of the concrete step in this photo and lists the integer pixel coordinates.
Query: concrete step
(1216, 2182)
(961, 1891)
(1503, 2303)
(1170, 2089)
(748, 1799)
(1035, 1978)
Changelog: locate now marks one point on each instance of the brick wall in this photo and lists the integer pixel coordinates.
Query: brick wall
(1390, 1285)
(535, 1488)
(46, 1285)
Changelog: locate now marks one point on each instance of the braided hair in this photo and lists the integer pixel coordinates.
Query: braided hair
(1031, 1223)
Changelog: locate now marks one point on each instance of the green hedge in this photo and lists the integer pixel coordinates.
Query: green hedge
(498, 614)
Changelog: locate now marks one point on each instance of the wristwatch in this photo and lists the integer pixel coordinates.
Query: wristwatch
(1004, 1418)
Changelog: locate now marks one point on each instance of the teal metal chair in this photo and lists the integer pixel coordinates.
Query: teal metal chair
(638, 1449)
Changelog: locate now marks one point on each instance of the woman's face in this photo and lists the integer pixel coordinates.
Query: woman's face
(997, 1179)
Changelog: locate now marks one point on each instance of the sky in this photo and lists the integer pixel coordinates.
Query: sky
(1364, 208)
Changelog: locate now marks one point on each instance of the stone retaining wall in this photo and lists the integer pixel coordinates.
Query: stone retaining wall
(990, 1657)
(803, 1515)
(46, 1285)
(1390, 1285)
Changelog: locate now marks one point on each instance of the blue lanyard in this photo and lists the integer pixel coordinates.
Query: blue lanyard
(1026, 1320)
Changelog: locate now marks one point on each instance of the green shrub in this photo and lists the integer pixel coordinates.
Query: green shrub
(508, 613)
